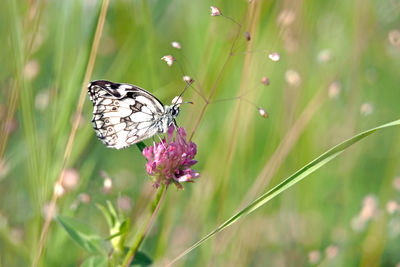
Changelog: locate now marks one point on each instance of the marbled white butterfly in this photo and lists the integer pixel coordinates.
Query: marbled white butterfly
(124, 114)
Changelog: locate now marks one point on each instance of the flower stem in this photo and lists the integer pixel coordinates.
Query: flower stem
(143, 232)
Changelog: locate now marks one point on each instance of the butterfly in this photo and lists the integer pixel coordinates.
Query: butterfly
(125, 114)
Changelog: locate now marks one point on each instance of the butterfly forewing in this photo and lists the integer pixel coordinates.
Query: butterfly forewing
(123, 114)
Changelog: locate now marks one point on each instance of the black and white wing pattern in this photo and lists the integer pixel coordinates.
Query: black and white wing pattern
(124, 114)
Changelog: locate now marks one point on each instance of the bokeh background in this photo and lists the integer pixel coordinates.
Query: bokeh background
(338, 74)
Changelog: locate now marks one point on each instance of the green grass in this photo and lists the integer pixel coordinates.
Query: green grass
(237, 149)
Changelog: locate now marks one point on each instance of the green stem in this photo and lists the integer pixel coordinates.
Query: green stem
(146, 227)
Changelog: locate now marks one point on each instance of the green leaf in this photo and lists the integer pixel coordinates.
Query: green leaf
(141, 259)
(141, 146)
(95, 261)
(107, 215)
(123, 230)
(82, 234)
(113, 212)
(288, 182)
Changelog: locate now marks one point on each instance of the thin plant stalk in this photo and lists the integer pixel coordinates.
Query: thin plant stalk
(142, 234)
(68, 149)
(208, 100)
(253, 19)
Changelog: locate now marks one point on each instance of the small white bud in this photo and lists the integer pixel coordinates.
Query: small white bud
(394, 38)
(331, 251)
(31, 69)
(262, 112)
(324, 56)
(215, 11)
(366, 109)
(396, 183)
(334, 89)
(58, 189)
(169, 59)
(274, 56)
(314, 256)
(265, 81)
(293, 77)
(177, 100)
(392, 206)
(84, 198)
(107, 185)
(71, 179)
(247, 36)
(188, 79)
(176, 45)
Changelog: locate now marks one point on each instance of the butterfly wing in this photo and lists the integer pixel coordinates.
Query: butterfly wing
(123, 114)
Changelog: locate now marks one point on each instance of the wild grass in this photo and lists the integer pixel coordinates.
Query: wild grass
(337, 77)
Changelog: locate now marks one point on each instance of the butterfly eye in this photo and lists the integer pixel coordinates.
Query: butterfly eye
(175, 111)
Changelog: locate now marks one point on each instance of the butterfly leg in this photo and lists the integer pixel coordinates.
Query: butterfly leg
(154, 144)
(177, 132)
(160, 141)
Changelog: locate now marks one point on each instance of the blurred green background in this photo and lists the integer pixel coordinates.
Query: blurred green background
(338, 75)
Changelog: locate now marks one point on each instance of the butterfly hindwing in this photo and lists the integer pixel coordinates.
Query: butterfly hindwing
(123, 114)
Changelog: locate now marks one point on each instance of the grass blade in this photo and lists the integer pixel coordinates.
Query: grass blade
(288, 182)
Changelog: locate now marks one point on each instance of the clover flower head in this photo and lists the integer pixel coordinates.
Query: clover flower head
(171, 160)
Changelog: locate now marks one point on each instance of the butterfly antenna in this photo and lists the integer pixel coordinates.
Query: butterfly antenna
(178, 133)
(188, 84)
